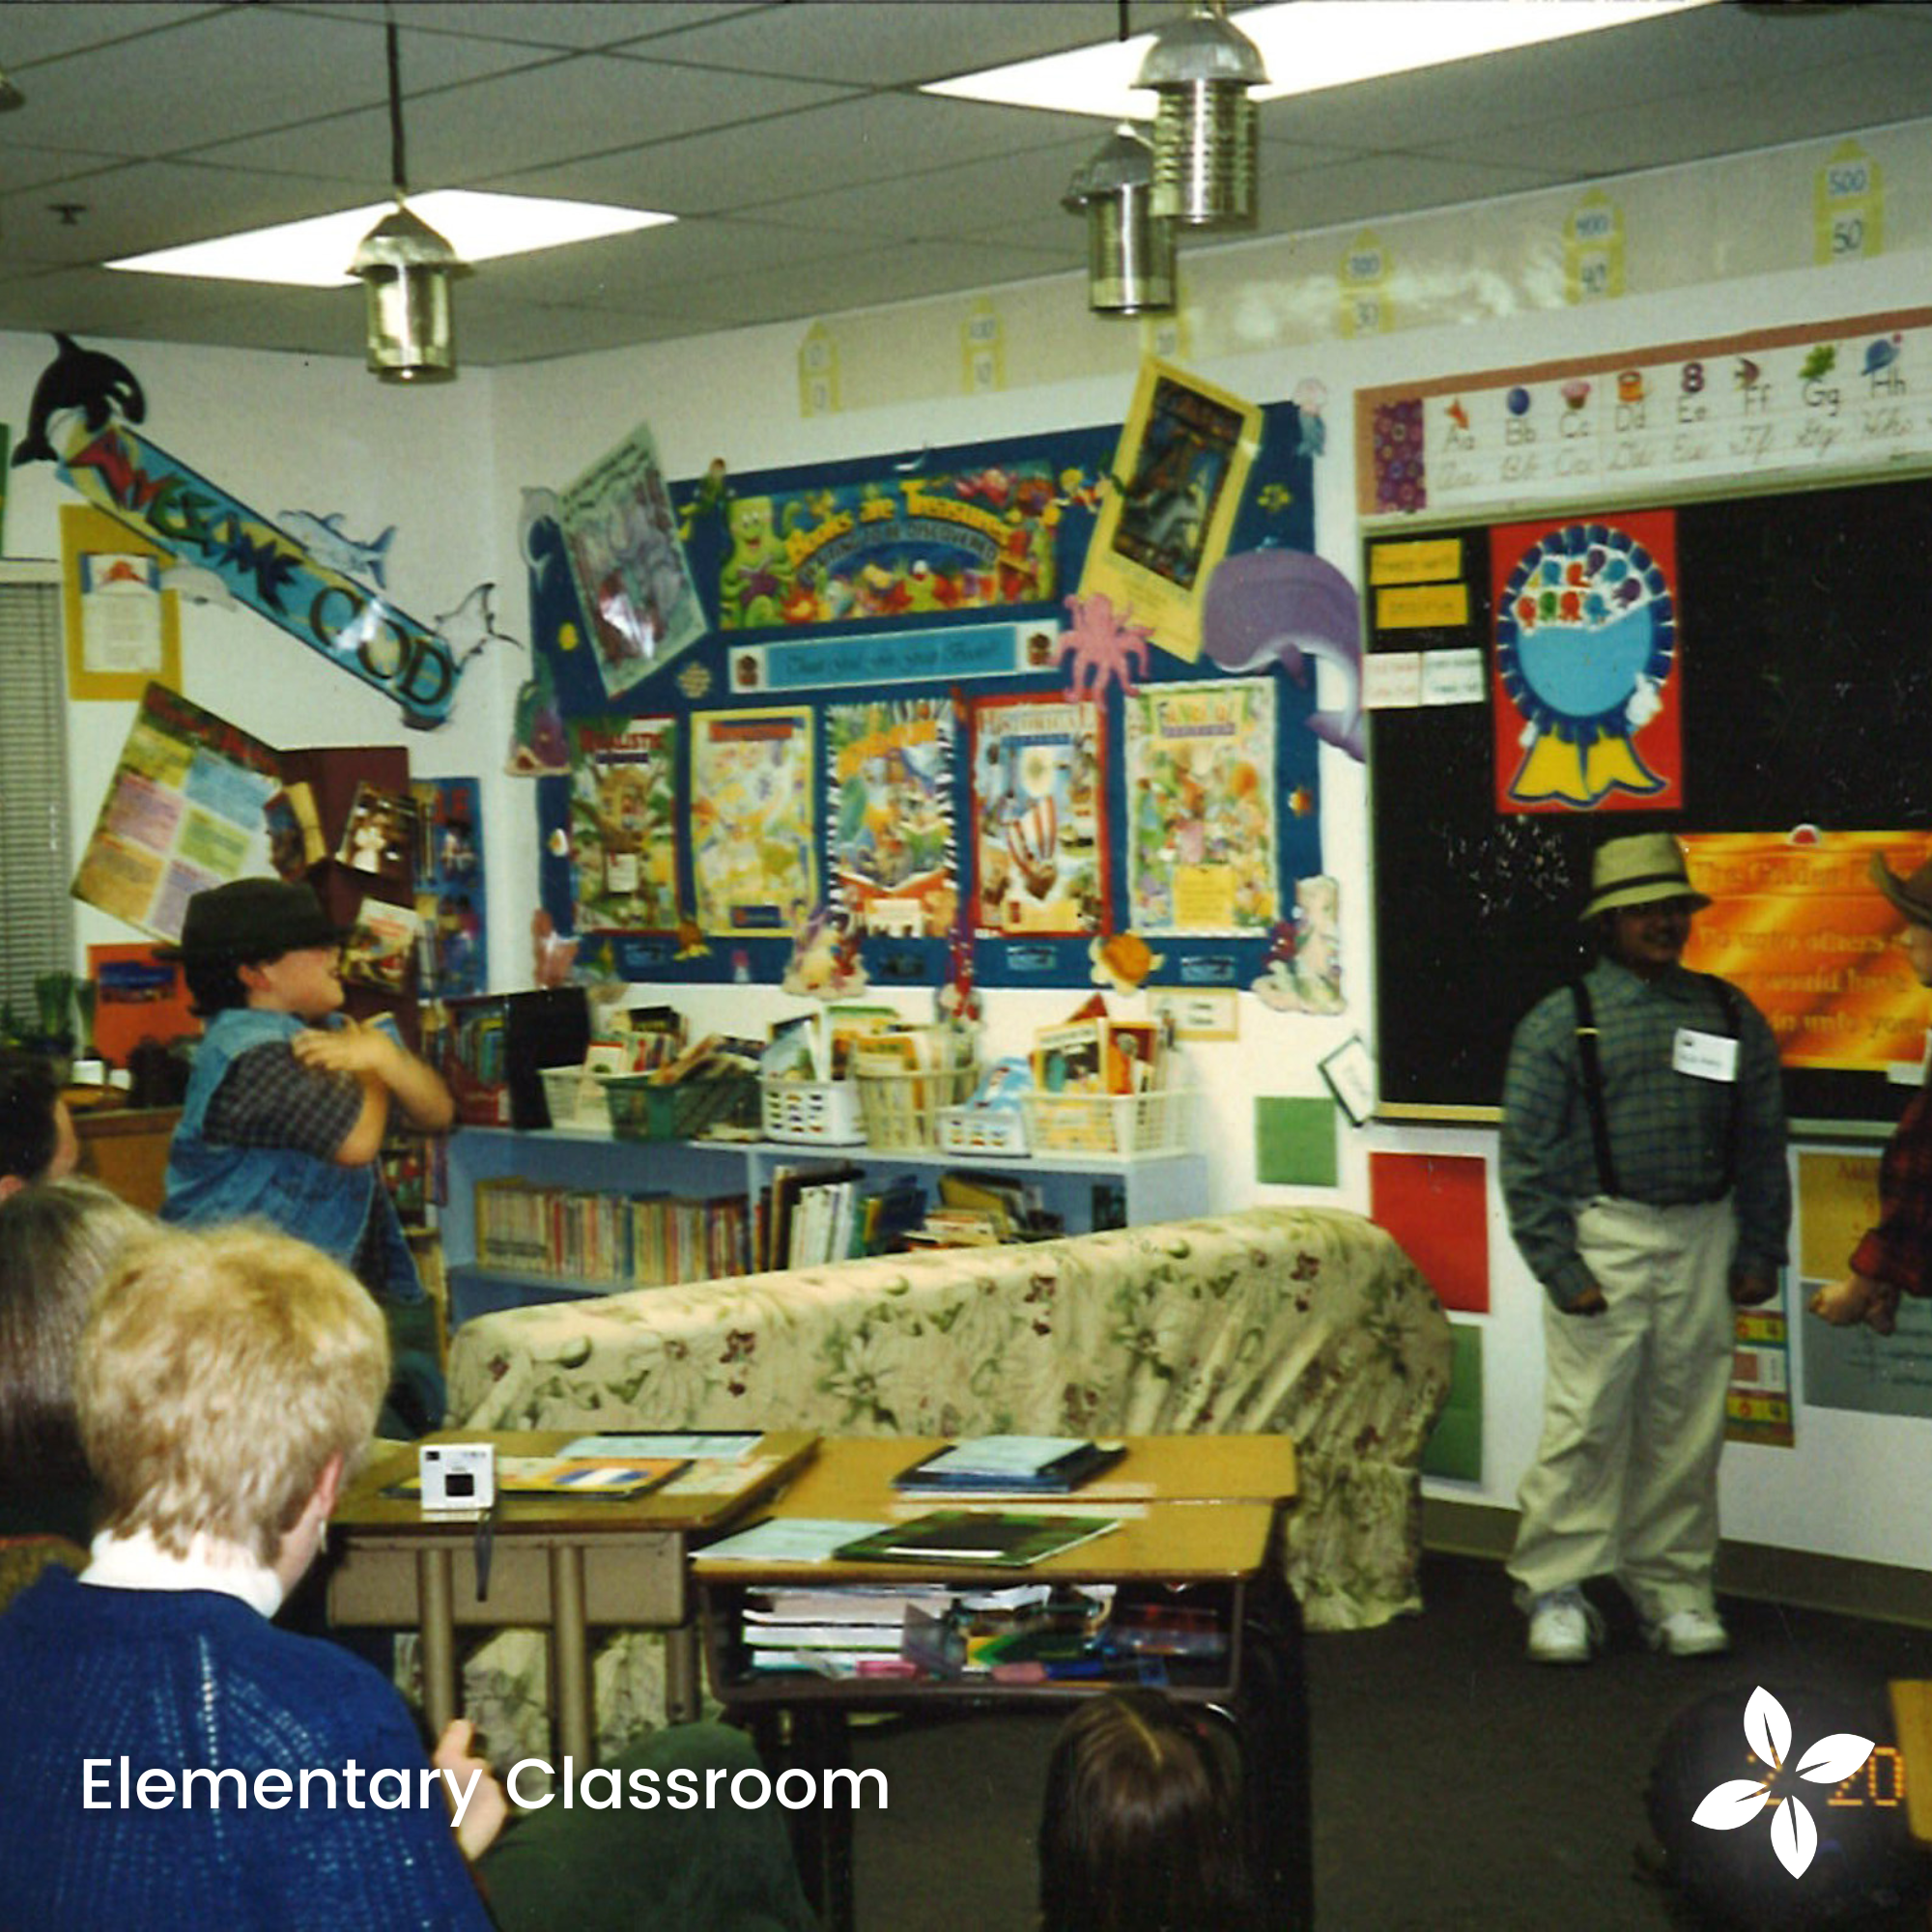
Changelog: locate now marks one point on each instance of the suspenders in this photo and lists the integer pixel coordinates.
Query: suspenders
(1587, 1036)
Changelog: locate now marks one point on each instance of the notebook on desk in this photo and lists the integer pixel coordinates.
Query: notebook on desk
(1009, 1466)
(999, 1537)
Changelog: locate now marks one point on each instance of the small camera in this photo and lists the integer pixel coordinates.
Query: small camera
(457, 1475)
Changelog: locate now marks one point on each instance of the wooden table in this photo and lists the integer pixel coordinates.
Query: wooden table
(1200, 1517)
(559, 1565)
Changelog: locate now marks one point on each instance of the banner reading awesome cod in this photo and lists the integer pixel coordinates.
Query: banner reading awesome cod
(354, 628)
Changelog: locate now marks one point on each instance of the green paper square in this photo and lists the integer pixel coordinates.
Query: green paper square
(1294, 1142)
(1456, 1448)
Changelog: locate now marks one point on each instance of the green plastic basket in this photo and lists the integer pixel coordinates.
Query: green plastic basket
(640, 1110)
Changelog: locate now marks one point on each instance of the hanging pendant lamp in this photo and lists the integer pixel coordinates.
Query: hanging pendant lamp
(1204, 131)
(406, 268)
(1129, 250)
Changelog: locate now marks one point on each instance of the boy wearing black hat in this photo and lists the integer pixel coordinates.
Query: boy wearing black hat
(1895, 1257)
(1643, 1170)
(289, 1102)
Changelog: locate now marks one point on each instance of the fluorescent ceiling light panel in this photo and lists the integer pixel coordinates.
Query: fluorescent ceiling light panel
(315, 254)
(1308, 46)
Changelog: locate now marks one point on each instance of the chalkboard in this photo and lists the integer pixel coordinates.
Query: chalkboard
(1801, 669)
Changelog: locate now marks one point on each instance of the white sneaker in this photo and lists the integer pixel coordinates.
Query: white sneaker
(1688, 1634)
(1564, 1628)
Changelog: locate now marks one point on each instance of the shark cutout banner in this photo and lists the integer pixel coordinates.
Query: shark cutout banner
(299, 585)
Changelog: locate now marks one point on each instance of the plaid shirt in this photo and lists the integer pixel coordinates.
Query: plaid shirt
(1670, 1132)
(1897, 1252)
(269, 1099)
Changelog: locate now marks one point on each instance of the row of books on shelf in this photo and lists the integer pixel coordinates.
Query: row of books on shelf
(828, 1211)
(576, 1234)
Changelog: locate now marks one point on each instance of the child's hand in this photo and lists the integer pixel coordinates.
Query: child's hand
(477, 1805)
(350, 1048)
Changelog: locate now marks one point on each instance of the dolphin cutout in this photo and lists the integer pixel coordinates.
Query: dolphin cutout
(1269, 606)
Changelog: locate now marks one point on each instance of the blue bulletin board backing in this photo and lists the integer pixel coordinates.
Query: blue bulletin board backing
(943, 576)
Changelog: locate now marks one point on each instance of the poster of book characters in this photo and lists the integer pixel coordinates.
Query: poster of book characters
(1039, 817)
(632, 581)
(895, 864)
(752, 827)
(624, 824)
(185, 810)
(1200, 801)
(1185, 453)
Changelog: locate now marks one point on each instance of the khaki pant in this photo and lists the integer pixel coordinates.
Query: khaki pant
(1625, 1481)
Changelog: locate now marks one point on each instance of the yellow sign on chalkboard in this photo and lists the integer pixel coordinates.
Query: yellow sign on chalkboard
(1430, 562)
(1416, 606)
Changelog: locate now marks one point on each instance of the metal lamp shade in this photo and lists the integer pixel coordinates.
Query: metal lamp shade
(1129, 251)
(1204, 131)
(406, 268)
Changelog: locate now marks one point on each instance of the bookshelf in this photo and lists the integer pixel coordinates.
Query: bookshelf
(1126, 1189)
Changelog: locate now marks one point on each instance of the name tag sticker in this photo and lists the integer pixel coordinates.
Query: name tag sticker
(1705, 1055)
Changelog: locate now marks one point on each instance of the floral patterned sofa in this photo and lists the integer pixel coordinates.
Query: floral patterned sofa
(1309, 1321)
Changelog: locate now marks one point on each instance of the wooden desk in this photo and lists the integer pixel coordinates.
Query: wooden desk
(127, 1149)
(1200, 1514)
(853, 1476)
(562, 1566)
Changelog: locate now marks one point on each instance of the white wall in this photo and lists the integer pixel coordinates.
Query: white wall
(1709, 250)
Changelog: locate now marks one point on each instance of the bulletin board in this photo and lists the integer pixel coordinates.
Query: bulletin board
(1786, 640)
(893, 706)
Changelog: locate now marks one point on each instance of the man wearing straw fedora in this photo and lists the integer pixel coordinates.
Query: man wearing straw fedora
(1644, 1175)
(1895, 1257)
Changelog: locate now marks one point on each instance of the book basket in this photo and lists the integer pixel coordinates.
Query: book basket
(1157, 1122)
(902, 1109)
(642, 1109)
(571, 1104)
(821, 1111)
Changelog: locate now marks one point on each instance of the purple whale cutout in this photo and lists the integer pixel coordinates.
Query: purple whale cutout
(1283, 606)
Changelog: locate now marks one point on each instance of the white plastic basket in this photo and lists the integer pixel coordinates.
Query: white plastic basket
(1157, 1122)
(902, 1109)
(574, 1102)
(824, 1110)
(998, 1130)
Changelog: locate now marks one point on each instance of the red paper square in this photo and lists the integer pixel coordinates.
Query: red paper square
(1436, 1206)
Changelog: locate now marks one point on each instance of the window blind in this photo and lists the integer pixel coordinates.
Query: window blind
(35, 913)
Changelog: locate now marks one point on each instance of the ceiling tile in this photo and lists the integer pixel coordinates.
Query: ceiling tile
(539, 117)
(232, 72)
(818, 151)
(869, 45)
(130, 210)
(563, 27)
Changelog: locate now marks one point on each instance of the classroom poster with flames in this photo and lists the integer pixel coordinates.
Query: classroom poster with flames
(1796, 923)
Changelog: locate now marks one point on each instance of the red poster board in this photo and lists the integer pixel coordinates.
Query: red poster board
(1436, 1206)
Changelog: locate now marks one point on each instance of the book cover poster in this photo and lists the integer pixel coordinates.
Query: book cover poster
(624, 824)
(628, 563)
(752, 826)
(380, 835)
(449, 888)
(1588, 684)
(1038, 818)
(184, 812)
(1202, 853)
(380, 945)
(893, 856)
(1184, 451)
